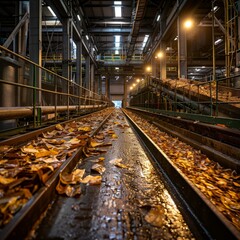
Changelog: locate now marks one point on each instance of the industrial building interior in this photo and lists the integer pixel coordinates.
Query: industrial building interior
(174, 64)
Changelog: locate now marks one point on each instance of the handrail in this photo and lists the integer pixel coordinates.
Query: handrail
(57, 89)
(210, 97)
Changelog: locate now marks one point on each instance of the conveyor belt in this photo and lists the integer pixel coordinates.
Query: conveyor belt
(118, 207)
(134, 200)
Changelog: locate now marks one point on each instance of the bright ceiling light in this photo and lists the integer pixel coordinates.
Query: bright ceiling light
(158, 17)
(118, 8)
(87, 37)
(79, 18)
(215, 8)
(145, 40)
(116, 52)
(188, 23)
(51, 11)
(218, 41)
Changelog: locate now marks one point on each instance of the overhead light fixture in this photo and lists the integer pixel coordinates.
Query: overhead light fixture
(215, 8)
(188, 23)
(176, 38)
(117, 68)
(158, 17)
(51, 11)
(145, 40)
(118, 8)
(218, 41)
(87, 37)
(79, 18)
(116, 52)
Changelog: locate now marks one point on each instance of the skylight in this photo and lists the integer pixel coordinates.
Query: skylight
(118, 8)
(117, 41)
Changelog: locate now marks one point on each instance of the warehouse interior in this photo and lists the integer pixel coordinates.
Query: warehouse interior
(175, 64)
(106, 51)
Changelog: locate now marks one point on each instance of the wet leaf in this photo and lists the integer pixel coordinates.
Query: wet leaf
(117, 162)
(92, 180)
(114, 135)
(29, 149)
(98, 168)
(4, 148)
(5, 181)
(59, 127)
(73, 177)
(72, 191)
(156, 216)
(85, 129)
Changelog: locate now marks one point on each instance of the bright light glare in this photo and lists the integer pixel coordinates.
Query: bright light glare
(52, 12)
(188, 24)
(158, 18)
(160, 55)
(218, 41)
(117, 41)
(79, 18)
(87, 37)
(145, 40)
(148, 68)
(118, 9)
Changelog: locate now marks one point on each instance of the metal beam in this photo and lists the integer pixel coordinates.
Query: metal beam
(140, 9)
(16, 30)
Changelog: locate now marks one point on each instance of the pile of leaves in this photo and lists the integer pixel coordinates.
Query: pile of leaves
(26, 168)
(220, 185)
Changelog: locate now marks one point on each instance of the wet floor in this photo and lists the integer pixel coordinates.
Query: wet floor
(130, 203)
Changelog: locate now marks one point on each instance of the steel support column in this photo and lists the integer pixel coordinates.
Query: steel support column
(92, 80)
(79, 68)
(182, 49)
(154, 66)
(66, 64)
(87, 72)
(163, 62)
(35, 45)
(124, 104)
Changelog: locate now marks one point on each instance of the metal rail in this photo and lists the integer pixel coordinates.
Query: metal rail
(230, 136)
(23, 221)
(201, 215)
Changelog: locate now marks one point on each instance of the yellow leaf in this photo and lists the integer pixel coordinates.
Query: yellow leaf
(6, 181)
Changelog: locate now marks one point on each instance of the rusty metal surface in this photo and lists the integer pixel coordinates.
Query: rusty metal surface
(117, 208)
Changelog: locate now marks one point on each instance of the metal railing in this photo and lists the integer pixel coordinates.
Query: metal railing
(30, 90)
(213, 98)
